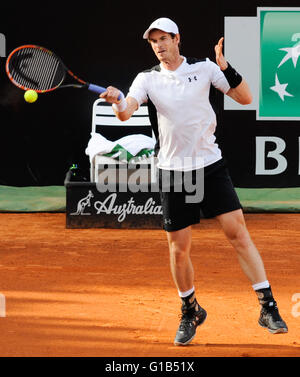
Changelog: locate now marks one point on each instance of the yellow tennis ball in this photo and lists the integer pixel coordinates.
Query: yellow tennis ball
(30, 96)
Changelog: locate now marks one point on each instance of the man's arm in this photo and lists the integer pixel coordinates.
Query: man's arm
(125, 108)
(241, 93)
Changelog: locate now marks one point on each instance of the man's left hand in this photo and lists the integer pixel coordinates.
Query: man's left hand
(221, 61)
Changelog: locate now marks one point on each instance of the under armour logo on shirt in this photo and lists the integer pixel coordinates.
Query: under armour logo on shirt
(194, 78)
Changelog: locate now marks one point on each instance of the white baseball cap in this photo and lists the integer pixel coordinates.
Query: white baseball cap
(164, 24)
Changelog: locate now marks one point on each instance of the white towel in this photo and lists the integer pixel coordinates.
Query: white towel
(123, 149)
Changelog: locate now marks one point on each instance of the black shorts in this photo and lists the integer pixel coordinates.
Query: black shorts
(219, 196)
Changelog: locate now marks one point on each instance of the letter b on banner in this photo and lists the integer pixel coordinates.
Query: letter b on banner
(274, 154)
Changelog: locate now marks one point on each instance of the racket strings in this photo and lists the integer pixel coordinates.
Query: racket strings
(36, 69)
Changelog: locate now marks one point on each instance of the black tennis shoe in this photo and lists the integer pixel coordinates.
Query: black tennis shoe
(271, 319)
(269, 315)
(190, 320)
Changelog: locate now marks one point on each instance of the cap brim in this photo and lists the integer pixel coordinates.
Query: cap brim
(146, 34)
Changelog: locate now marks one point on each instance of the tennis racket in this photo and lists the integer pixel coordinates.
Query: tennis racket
(37, 68)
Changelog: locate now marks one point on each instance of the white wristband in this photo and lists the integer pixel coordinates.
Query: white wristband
(121, 106)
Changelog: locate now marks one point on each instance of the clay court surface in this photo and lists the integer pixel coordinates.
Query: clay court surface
(102, 292)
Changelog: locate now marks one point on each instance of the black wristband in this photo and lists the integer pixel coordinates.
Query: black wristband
(233, 77)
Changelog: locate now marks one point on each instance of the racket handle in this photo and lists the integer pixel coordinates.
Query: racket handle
(99, 90)
(96, 89)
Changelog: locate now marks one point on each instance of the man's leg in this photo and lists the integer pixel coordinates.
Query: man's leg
(180, 261)
(234, 227)
(183, 275)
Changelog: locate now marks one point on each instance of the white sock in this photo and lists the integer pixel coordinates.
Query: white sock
(262, 285)
(187, 293)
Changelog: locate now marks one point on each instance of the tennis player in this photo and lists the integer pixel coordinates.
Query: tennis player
(178, 90)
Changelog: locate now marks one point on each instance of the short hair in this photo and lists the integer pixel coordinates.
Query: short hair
(173, 36)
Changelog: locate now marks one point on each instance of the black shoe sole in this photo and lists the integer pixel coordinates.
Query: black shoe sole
(177, 344)
(280, 330)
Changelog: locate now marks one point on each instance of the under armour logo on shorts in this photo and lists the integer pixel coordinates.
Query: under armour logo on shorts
(168, 221)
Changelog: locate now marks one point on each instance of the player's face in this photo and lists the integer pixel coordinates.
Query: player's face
(164, 46)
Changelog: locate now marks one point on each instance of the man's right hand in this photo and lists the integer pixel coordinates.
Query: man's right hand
(111, 95)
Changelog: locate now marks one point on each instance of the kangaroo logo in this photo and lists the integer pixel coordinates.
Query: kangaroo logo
(82, 204)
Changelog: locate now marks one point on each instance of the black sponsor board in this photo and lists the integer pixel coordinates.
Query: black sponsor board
(115, 207)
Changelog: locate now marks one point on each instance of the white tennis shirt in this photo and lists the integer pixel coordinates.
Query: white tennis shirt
(186, 119)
